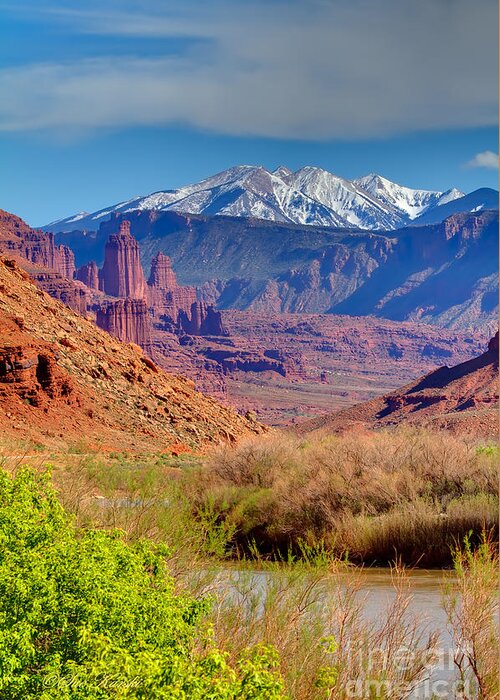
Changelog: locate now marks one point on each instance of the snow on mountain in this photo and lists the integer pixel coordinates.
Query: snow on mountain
(410, 203)
(449, 196)
(483, 198)
(353, 204)
(308, 196)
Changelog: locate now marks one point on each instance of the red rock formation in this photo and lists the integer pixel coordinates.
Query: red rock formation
(463, 398)
(36, 247)
(166, 298)
(72, 293)
(89, 275)
(201, 320)
(127, 320)
(64, 261)
(162, 275)
(35, 376)
(121, 274)
(63, 380)
(232, 361)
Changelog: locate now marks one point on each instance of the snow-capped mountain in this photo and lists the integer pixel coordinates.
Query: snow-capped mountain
(408, 202)
(308, 196)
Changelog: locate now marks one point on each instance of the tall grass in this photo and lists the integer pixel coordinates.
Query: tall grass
(375, 497)
(471, 603)
(315, 618)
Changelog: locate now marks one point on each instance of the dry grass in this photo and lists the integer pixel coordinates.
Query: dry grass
(314, 616)
(406, 493)
(471, 603)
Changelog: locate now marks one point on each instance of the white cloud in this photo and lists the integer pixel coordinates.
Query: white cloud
(314, 69)
(485, 159)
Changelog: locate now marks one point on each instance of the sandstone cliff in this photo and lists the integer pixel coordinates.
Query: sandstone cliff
(444, 274)
(64, 261)
(36, 247)
(201, 320)
(72, 293)
(166, 298)
(126, 319)
(89, 275)
(122, 274)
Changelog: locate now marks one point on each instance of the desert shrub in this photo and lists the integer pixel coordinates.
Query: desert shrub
(84, 614)
(406, 492)
(471, 603)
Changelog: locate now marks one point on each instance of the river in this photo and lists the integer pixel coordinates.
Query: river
(375, 593)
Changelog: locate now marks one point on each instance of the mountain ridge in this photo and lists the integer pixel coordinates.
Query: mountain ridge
(445, 274)
(308, 196)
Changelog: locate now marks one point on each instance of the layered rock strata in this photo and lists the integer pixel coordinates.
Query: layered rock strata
(89, 275)
(126, 319)
(122, 274)
(201, 320)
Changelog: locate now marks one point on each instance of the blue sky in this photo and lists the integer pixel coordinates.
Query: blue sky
(103, 101)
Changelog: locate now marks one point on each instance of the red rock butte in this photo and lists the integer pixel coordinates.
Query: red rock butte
(121, 274)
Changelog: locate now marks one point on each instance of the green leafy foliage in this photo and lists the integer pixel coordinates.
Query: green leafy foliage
(86, 616)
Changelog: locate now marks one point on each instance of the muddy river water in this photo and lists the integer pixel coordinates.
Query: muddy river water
(375, 591)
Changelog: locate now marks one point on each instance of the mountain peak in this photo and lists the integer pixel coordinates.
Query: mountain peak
(310, 195)
(282, 171)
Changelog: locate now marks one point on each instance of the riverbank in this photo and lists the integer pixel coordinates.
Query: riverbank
(307, 628)
(371, 498)
(405, 495)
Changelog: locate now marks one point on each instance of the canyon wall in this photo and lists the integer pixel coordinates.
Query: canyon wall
(70, 292)
(89, 275)
(126, 319)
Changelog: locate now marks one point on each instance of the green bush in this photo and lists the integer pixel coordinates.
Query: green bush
(86, 616)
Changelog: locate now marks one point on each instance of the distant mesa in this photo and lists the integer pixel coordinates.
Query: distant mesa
(444, 274)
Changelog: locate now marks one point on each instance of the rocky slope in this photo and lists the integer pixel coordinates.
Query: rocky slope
(311, 196)
(445, 274)
(62, 379)
(462, 398)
